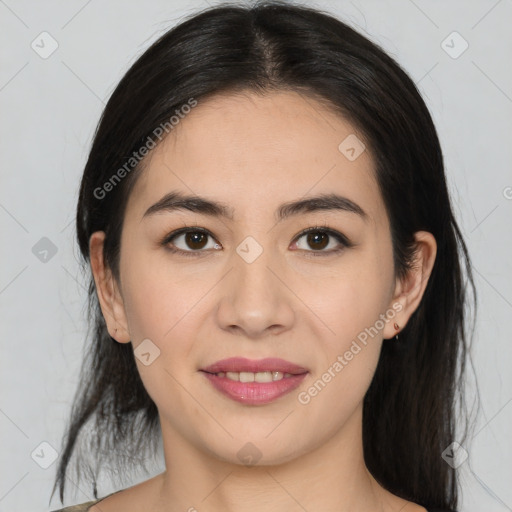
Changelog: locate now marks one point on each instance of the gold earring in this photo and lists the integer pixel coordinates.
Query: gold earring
(397, 327)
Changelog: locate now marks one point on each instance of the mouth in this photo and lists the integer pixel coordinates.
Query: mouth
(254, 382)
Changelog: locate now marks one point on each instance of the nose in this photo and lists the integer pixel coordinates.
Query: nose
(256, 301)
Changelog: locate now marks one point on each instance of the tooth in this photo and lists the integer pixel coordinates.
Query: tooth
(263, 377)
(254, 377)
(246, 377)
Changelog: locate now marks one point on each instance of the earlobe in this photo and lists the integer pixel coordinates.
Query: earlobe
(109, 297)
(410, 290)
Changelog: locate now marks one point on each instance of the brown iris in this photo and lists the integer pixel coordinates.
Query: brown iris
(196, 240)
(318, 240)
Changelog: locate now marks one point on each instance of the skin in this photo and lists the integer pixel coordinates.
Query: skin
(253, 153)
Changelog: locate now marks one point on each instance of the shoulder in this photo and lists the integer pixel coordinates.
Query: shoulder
(82, 507)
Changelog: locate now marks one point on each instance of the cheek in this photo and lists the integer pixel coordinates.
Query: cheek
(350, 300)
(160, 308)
(156, 295)
(351, 355)
(351, 306)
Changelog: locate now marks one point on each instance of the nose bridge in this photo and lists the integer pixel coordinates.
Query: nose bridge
(254, 284)
(255, 299)
(252, 275)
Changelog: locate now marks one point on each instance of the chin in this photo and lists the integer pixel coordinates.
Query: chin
(257, 450)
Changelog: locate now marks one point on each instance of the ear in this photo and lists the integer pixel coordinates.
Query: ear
(409, 290)
(111, 301)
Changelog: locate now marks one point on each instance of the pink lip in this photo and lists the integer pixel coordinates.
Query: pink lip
(254, 393)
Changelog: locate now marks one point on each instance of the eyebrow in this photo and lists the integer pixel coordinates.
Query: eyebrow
(177, 201)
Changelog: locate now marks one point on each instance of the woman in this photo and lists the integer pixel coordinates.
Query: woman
(277, 287)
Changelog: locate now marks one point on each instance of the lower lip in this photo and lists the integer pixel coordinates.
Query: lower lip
(254, 393)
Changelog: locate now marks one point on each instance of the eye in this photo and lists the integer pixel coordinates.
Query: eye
(195, 241)
(192, 241)
(319, 238)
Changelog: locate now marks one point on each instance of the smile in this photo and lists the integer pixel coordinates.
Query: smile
(254, 381)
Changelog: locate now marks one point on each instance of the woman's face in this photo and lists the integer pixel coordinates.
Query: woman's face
(249, 285)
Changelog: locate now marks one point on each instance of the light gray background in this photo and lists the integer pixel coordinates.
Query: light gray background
(49, 109)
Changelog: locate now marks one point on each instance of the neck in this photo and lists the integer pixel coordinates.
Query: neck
(332, 477)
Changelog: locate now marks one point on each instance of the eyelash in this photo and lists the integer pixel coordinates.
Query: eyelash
(342, 239)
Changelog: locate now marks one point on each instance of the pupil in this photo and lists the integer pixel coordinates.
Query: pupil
(195, 238)
(313, 239)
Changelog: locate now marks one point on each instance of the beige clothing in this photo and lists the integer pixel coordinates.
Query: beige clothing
(83, 507)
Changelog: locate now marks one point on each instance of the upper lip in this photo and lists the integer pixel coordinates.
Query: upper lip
(241, 364)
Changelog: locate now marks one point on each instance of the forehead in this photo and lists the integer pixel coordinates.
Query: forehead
(251, 151)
